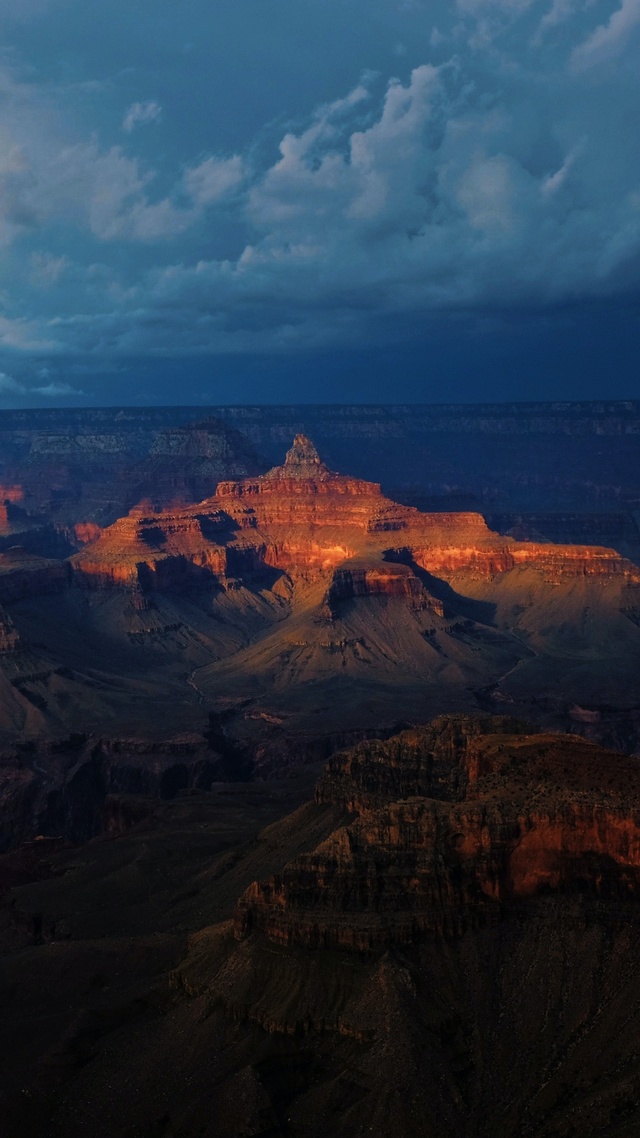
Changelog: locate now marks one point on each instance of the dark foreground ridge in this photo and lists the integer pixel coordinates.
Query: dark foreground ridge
(444, 941)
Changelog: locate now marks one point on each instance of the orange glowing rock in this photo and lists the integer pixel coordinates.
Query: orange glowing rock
(307, 521)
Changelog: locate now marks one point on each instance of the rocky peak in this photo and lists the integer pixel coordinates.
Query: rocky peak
(302, 461)
(302, 453)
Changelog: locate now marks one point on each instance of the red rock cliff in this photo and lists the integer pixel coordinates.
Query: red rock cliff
(306, 521)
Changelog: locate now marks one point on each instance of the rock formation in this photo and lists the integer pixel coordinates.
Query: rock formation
(9, 496)
(81, 467)
(305, 520)
(277, 591)
(576, 461)
(450, 823)
(444, 943)
(9, 635)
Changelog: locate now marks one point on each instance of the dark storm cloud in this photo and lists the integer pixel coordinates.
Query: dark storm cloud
(484, 163)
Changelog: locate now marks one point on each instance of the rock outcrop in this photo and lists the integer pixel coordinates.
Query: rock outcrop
(278, 589)
(387, 579)
(9, 635)
(9, 496)
(445, 943)
(305, 520)
(451, 823)
(77, 787)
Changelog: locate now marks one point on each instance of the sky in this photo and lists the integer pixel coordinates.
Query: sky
(318, 201)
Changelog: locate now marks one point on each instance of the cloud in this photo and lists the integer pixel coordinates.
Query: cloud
(140, 114)
(10, 386)
(106, 192)
(46, 269)
(48, 179)
(56, 390)
(438, 203)
(611, 39)
(559, 12)
(214, 179)
(26, 335)
(494, 179)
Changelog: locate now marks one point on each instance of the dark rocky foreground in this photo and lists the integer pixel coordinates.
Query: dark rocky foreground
(442, 942)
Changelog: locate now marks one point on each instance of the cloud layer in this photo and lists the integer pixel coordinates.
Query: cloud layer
(498, 171)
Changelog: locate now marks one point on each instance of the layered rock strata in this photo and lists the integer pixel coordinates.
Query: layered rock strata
(281, 590)
(305, 520)
(449, 824)
(9, 496)
(92, 466)
(76, 787)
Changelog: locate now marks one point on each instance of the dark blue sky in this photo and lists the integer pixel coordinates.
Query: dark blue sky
(308, 200)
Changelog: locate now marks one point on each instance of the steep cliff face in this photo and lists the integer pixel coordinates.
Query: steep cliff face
(77, 787)
(151, 551)
(9, 496)
(303, 493)
(452, 823)
(387, 579)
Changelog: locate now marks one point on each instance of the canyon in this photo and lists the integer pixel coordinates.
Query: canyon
(262, 601)
(441, 940)
(320, 798)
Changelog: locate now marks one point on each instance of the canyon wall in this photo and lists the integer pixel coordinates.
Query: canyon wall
(450, 823)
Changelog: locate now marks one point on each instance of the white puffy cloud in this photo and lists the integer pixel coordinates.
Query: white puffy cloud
(141, 114)
(46, 177)
(214, 179)
(439, 202)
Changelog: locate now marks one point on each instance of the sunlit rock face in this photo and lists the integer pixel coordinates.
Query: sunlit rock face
(10, 496)
(306, 520)
(302, 493)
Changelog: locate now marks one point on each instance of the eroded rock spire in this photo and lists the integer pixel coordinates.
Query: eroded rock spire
(302, 453)
(302, 461)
